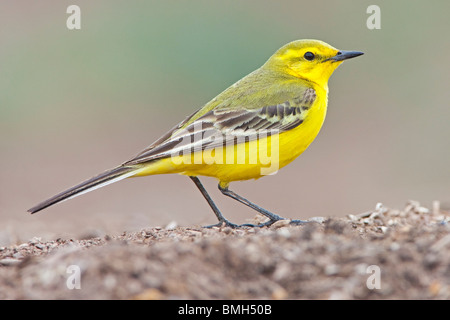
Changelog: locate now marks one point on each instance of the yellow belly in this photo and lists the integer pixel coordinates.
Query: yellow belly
(250, 160)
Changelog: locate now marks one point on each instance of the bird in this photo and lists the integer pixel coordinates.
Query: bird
(252, 129)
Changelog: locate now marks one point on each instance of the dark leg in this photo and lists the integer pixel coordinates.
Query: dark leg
(213, 206)
(272, 216)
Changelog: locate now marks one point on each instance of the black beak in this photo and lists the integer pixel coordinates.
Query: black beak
(344, 55)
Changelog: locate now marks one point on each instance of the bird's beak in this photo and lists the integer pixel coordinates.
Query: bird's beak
(344, 55)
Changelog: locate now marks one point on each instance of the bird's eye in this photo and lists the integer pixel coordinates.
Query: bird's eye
(309, 56)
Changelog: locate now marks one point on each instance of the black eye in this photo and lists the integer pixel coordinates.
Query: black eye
(309, 56)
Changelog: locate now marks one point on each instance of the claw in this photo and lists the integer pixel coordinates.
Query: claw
(226, 223)
(298, 222)
(223, 223)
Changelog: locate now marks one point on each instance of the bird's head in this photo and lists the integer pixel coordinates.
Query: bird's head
(312, 60)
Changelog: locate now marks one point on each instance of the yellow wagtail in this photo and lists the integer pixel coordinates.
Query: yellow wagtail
(256, 126)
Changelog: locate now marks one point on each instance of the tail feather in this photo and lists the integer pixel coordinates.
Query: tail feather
(91, 184)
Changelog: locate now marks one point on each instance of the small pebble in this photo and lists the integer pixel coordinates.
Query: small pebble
(171, 225)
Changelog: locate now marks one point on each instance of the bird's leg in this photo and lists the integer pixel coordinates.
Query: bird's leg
(272, 216)
(213, 206)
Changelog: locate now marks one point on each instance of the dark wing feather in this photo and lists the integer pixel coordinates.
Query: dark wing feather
(219, 127)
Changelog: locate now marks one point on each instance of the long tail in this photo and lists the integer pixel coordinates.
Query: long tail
(91, 184)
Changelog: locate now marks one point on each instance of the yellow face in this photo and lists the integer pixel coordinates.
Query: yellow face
(312, 60)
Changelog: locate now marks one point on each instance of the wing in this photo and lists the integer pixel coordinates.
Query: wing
(223, 126)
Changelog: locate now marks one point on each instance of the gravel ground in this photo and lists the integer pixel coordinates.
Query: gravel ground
(381, 254)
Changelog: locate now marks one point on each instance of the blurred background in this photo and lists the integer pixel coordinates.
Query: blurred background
(74, 103)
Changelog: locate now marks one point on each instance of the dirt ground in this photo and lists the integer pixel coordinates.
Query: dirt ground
(381, 254)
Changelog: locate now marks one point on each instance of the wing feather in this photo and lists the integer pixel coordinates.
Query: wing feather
(221, 126)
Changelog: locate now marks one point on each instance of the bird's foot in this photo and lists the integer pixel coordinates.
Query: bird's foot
(226, 223)
(223, 223)
(298, 222)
